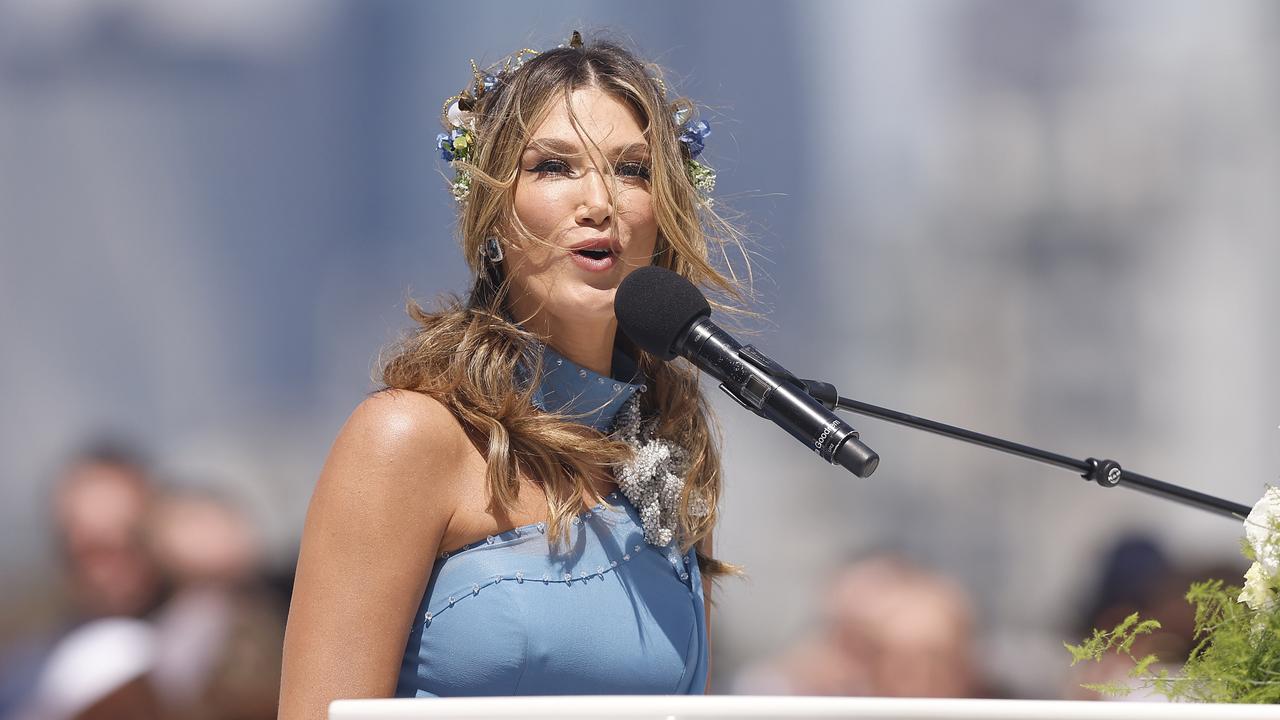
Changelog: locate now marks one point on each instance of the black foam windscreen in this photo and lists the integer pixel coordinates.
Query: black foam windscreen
(654, 306)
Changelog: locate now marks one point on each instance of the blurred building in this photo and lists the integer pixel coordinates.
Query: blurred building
(1052, 221)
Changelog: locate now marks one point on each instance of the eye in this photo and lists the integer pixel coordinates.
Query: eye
(551, 166)
(634, 170)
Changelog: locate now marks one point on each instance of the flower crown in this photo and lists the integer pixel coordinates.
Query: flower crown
(458, 115)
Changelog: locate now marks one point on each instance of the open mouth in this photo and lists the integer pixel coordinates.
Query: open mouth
(594, 254)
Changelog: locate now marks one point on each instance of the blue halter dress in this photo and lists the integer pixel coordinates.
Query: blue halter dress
(603, 613)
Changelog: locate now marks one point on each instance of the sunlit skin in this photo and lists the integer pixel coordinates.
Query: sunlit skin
(562, 197)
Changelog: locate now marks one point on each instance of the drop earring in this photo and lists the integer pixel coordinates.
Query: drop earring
(491, 250)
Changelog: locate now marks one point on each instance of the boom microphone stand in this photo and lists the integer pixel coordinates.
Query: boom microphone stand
(1106, 473)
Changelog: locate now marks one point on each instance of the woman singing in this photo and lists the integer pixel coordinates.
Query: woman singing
(527, 507)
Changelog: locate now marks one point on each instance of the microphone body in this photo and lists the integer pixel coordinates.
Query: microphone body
(767, 389)
(666, 315)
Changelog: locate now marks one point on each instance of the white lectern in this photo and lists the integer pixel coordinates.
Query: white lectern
(731, 707)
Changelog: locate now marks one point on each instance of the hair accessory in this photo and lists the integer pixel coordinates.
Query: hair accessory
(458, 115)
(693, 135)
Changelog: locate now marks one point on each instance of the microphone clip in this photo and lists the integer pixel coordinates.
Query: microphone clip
(754, 389)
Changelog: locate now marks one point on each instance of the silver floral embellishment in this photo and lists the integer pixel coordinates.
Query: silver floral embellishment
(653, 479)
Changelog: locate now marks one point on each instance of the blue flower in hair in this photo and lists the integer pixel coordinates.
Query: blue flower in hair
(694, 136)
(444, 145)
(453, 145)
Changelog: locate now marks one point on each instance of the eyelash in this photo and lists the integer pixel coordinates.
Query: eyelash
(628, 170)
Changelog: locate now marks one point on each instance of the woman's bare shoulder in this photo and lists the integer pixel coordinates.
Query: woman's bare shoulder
(406, 422)
(409, 413)
(400, 437)
(388, 488)
(383, 502)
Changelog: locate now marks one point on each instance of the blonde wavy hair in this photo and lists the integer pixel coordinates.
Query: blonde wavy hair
(467, 354)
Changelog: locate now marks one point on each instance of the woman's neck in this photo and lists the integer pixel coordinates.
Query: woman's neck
(588, 344)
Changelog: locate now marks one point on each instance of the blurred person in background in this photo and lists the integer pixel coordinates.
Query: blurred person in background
(99, 504)
(99, 501)
(1132, 571)
(907, 630)
(218, 637)
(100, 507)
(1129, 571)
(1136, 576)
(169, 616)
(888, 628)
(101, 670)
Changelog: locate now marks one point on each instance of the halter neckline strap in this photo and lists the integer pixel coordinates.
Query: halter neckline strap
(584, 395)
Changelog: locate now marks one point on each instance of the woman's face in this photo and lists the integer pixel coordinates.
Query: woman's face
(587, 239)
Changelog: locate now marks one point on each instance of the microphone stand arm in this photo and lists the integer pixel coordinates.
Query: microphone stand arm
(1106, 473)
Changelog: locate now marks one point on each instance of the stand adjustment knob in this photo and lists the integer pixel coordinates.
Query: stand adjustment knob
(1106, 473)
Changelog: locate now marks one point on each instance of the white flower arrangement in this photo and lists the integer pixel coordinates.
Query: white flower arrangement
(1262, 533)
(1236, 657)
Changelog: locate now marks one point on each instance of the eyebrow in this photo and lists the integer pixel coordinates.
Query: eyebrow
(562, 147)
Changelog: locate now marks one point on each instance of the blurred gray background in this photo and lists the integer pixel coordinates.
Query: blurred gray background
(1050, 221)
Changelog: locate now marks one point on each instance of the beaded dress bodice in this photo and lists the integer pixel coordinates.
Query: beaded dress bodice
(602, 613)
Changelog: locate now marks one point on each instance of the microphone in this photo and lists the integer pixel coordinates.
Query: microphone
(665, 315)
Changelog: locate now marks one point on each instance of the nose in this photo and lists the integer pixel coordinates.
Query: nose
(596, 203)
